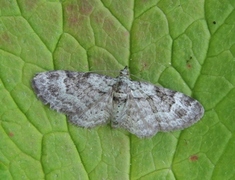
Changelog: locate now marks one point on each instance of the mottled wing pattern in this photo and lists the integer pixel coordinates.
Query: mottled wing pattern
(150, 109)
(84, 97)
(137, 117)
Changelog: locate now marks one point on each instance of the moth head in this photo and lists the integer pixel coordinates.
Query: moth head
(125, 72)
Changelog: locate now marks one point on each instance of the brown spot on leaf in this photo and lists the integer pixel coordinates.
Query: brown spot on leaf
(70, 8)
(75, 15)
(73, 19)
(109, 25)
(193, 158)
(85, 7)
(30, 5)
(144, 66)
(11, 134)
(5, 39)
(188, 62)
(189, 66)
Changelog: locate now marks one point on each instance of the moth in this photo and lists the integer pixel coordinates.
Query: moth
(90, 99)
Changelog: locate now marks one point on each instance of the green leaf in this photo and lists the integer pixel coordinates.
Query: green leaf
(187, 46)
